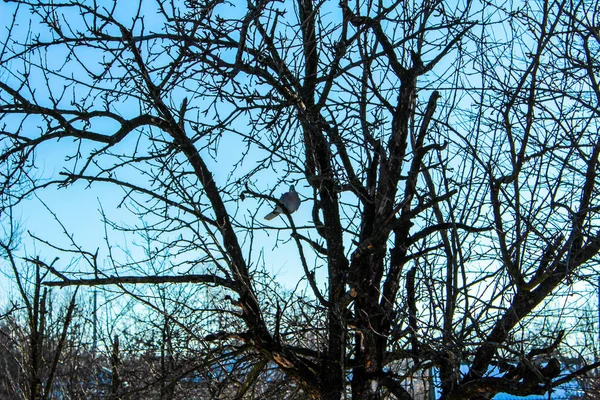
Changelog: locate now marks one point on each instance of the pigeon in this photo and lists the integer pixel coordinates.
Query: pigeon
(291, 202)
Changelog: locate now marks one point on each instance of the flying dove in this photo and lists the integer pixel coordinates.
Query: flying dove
(290, 200)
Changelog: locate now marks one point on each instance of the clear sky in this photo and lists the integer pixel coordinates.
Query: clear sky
(78, 207)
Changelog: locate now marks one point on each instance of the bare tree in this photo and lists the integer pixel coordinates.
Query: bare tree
(447, 154)
(35, 333)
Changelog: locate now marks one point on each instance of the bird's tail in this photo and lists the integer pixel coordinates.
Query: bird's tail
(271, 215)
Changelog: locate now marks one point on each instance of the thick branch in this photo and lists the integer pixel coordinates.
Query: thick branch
(153, 280)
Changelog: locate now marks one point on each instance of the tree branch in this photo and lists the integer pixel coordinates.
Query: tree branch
(153, 280)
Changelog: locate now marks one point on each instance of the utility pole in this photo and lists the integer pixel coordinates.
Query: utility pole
(95, 367)
(95, 316)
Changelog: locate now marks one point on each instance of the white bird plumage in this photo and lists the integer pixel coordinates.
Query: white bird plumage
(290, 200)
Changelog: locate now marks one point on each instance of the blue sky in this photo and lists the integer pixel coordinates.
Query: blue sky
(78, 206)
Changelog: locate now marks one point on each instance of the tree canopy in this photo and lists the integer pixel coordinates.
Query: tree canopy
(446, 154)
